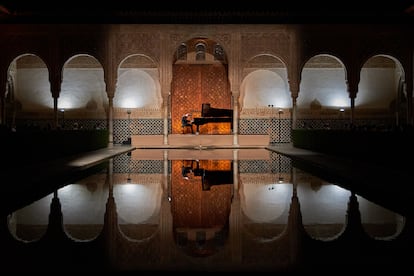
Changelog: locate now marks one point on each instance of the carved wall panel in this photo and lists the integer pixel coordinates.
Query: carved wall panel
(264, 43)
(194, 85)
(138, 43)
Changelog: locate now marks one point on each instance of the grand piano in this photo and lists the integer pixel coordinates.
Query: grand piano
(213, 115)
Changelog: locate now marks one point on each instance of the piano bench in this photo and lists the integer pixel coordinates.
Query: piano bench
(185, 129)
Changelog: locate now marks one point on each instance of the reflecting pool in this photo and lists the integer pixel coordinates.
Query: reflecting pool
(235, 210)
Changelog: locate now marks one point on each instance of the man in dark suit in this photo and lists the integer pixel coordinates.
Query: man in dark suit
(186, 122)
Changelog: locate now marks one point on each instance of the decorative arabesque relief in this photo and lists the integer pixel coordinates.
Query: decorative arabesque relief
(270, 43)
(142, 43)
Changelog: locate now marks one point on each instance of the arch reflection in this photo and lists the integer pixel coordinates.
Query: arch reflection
(198, 209)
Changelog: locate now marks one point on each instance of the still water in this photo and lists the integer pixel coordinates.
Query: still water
(230, 210)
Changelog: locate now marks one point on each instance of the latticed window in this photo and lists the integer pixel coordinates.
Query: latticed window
(218, 52)
(182, 52)
(200, 51)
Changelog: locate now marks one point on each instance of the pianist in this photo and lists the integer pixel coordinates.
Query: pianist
(186, 122)
(186, 171)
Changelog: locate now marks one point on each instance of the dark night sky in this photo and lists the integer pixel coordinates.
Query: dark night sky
(256, 11)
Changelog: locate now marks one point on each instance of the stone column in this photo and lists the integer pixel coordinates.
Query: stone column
(235, 171)
(353, 77)
(110, 66)
(295, 66)
(110, 81)
(110, 233)
(352, 118)
(110, 120)
(165, 66)
(55, 79)
(294, 90)
(235, 236)
(166, 220)
(235, 106)
(295, 229)
(55, 232)
(234, 74)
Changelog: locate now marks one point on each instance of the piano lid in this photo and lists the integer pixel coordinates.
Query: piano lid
(208, 111)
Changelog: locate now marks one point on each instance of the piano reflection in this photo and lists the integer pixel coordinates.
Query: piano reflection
(213, 115)
(213, 177)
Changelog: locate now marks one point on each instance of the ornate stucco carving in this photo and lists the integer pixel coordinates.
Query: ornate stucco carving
(176, 39)
(224, 40)
(260, 43)
(139, 43)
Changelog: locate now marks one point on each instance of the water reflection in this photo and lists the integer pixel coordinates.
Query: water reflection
(203, 210)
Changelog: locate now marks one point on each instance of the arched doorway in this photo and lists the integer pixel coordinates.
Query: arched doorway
(200, 75)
